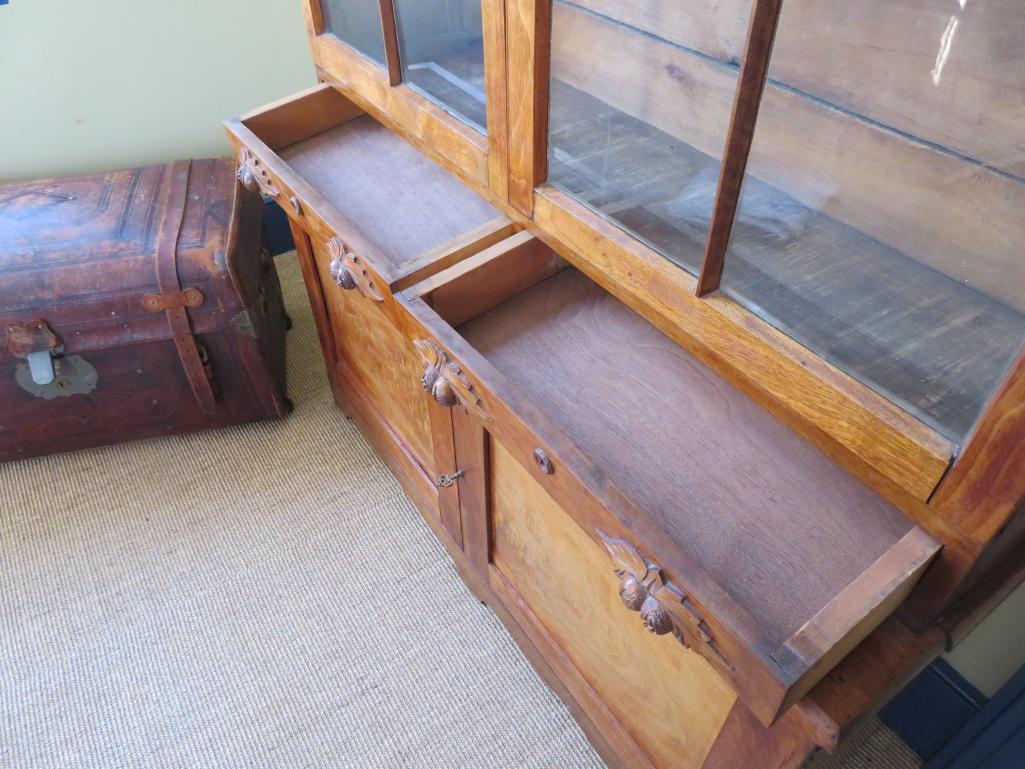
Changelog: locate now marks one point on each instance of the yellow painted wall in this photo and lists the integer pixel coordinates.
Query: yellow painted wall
(996, 648)
(90, 85)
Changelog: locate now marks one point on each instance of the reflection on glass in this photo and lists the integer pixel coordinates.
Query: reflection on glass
(358, 23)
(639, 113)
(441, 46)
(881, 222)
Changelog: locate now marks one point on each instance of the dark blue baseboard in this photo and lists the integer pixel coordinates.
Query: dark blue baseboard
(276, 229)
(994, 738)
(932, 708)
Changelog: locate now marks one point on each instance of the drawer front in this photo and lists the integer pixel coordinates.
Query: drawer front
(377, 355)
(669, 698)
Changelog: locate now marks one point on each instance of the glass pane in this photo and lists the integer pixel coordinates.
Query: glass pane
(640, 100)
(883, 215)
(358, 23)
(441, 45)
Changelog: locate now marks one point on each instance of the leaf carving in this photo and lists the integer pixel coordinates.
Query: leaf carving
(253, 176)
(446, 382)
(663, 606)
(348, 271)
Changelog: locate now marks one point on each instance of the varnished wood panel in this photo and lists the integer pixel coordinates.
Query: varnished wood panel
(381, 359)
(315, 291)
(472, 454)
(443, 454)
(391, 42)
(454, 251)
(745, 496)
(987, 482)
(746, 100)
(579, 485)
(744, 742)
(528, 40)
(300, 116)
(497, 88)
(860, 607)
(649, 682)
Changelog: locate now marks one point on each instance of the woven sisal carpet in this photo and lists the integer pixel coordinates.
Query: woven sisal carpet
(262, 596)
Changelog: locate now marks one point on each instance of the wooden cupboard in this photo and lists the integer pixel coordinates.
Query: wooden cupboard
(695, 333)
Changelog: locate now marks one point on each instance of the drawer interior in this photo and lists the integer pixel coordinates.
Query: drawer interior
(800, 545)
(778, 524)
(400, 201)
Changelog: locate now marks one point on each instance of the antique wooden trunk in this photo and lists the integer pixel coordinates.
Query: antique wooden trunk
(134, 304)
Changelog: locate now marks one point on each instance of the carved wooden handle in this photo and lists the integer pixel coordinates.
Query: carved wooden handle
(663, 606)
(639, 581)
(348, 272)
(445, 381)
(253, 176)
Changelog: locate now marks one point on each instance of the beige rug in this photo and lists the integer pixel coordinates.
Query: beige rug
(262, 596)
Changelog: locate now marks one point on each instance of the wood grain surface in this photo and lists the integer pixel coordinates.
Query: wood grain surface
(567, 581)
(380, 359)
(378, 181)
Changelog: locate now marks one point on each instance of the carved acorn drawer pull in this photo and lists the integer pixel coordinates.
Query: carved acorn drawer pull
(253, 176)
(348, 272)
(663, 607)
(445, 381)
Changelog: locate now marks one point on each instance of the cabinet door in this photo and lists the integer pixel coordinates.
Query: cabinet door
(441, 47)
(561, 589)
(881, 219)
(640, 101)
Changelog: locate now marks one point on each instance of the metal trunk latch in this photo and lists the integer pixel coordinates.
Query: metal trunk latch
(447, 480)
(46, 372)
(36, 342)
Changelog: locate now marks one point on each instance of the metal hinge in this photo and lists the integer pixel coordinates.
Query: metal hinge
(447, 480)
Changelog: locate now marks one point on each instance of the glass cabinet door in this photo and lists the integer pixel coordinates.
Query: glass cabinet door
(882, 218)
(441, 47)
(641, 93)
(358, 23)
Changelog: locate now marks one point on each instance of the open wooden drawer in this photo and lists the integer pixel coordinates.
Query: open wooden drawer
(391, 215)
(586, 436)
(370, 214)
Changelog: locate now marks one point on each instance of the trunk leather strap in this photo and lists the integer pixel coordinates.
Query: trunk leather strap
(172, 300)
